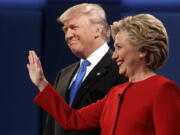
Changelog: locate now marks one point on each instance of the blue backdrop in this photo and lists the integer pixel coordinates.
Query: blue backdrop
(32, 24)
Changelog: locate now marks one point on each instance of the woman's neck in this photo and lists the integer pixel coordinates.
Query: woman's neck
(141, 75)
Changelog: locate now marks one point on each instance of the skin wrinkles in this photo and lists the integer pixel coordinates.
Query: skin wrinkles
(130, 61)
(81, 36)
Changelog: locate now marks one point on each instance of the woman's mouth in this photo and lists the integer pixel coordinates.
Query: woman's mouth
(119, 63)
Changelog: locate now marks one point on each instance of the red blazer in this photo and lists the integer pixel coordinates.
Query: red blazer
(149, 107)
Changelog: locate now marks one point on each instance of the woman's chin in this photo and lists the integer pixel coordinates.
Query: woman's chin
(122, 73)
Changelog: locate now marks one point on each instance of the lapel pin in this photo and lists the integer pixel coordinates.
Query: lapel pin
(98, 74)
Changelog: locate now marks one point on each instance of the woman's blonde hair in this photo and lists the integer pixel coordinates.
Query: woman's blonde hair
(95, 14)
(147, 34)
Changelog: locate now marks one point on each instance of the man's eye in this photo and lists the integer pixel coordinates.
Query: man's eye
(74, 27)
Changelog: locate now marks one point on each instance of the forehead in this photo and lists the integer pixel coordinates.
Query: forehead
(121, 37)
(77, 20)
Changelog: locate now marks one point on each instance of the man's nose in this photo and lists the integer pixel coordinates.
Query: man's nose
(69, 33)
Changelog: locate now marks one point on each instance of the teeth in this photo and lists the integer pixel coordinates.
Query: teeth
(72, 41)
(119, 63)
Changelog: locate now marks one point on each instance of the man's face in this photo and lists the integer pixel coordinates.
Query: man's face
(79, 35)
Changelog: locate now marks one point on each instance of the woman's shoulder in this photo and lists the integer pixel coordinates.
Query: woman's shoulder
(162, 80)
(165, 85)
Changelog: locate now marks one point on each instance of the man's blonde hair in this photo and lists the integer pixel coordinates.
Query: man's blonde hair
(147, 34)
(95, 14)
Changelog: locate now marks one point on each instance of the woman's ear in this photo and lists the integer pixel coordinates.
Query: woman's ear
(142, 55)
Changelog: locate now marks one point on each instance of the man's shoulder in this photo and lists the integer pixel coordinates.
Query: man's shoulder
(75, 64)
(66, 71)
(71, 66)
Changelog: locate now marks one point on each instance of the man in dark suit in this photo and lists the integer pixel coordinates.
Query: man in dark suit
(86, 33)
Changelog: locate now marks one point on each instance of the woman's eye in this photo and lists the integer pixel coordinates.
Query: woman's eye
(119, 47)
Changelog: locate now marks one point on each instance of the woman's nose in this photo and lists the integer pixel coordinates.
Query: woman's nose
(114, 56)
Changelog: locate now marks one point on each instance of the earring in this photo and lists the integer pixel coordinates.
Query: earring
(141, 55)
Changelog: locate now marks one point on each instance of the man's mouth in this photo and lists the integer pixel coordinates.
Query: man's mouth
(72, 42)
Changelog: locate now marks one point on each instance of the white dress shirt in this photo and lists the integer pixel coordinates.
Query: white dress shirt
(94, 58)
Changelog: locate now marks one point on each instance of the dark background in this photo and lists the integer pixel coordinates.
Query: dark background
(32, 25)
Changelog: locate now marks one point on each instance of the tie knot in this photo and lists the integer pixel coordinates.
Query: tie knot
(85, 63)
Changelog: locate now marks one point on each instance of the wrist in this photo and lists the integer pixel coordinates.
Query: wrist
(43, 83)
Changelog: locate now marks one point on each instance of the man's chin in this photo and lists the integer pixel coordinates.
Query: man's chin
(76, 53)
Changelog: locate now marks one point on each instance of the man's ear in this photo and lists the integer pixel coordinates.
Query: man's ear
(97, 32)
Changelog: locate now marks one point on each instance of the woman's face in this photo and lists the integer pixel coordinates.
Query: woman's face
(128, 58)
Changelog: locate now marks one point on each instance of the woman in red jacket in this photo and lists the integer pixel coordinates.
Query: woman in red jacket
(148, 104)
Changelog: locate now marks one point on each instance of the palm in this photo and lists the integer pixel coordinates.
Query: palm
(35, 73)
(35, 69)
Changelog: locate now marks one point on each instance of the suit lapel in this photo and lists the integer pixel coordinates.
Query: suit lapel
(66, 77)
(98, 71)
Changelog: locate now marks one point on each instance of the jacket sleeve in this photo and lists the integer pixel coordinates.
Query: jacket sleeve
(86, 118)
(166, 110)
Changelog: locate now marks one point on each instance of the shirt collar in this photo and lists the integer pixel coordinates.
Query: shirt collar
(97, 55)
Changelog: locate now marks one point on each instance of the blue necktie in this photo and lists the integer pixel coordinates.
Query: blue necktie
(77, 82)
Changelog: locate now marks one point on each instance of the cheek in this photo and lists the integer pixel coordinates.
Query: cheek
(119, 53)
(132, 61)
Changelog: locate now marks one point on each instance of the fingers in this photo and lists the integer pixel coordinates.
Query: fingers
(30, 58)
(34, 55)
(33, 58)
(27, 66)
(38, 62)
